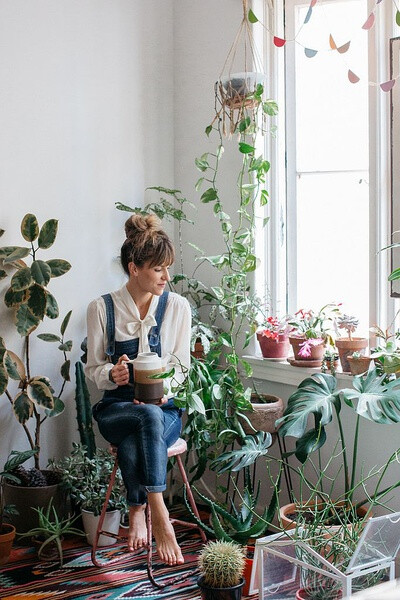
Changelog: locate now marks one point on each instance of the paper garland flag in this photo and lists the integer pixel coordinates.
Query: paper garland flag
(344, 48)
(369, 22)
(332, 43)
(387, 86)
(279, 42)
(309, 52)
(353, 78)
(308, 15)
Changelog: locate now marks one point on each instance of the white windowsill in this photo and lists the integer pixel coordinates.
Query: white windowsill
(283, 372)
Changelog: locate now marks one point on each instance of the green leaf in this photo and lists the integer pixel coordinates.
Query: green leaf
(252, 17)
(3, 274)
(48, 233)
(52, 310)
(201, 164)
(246, 148)
(398, 18)
(37, 301)
(23, 407)
(65, 369)
(21, 280)
(16, 458)
(59, 407)
(14, 365)
(65, 322)
(195, 404)
(198, 184)
(264, 198)
(25, 320)
(208, 130)
(66, 346)
(49, 337)
(58, 266)
(209, 195)
(40, 393)
(2, 232)
(41, 272)
(252, 448)
(270, 108)
(7, 250)
(3, 378)
(394, 275)
(311, 441)
(16, 255)
(29, 228)
(12, 298)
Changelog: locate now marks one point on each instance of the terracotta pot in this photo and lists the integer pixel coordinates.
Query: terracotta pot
(359, 365)
(198, 351)
(7, 535)
(271, 348)
(264, 415)
(346, 348)
(287, 510)
(317, 352)
(248, 567)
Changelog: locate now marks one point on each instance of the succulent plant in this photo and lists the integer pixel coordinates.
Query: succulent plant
(222, 564)
(349, 323)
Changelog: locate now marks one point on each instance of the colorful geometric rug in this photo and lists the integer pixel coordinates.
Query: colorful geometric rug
(24, 577)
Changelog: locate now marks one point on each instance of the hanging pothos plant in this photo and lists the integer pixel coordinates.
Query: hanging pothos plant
(32, 395)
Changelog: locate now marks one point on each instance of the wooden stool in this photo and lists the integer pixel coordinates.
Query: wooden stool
(176, 450)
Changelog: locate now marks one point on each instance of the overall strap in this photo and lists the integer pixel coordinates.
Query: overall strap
(161, 306)
(110, 327)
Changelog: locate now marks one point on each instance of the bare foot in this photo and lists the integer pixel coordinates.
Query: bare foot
(167, 546)
(137, 537)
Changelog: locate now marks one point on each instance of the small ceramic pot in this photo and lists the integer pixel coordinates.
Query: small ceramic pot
(271, 348)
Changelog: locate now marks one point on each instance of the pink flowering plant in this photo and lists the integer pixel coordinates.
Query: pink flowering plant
(315, 327)
(274, 327)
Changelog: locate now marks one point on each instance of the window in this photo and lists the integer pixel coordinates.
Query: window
(328, 213)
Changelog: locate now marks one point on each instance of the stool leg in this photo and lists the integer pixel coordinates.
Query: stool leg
(191, 499)
(103, 515)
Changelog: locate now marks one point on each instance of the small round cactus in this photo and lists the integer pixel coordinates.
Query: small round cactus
(222, 564)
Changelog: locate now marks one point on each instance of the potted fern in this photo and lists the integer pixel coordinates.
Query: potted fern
(221, 566)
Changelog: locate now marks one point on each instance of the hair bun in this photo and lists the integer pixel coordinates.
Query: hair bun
(150, 224)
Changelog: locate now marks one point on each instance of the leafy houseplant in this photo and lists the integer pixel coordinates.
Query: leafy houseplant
(352, 344)
(31, 301)
(387, 352)
(50, 532)
(311, 331)
(221, 567)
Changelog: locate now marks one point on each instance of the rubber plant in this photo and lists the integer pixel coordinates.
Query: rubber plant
(31, 395)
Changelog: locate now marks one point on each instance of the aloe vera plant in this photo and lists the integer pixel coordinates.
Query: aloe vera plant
(32, 396)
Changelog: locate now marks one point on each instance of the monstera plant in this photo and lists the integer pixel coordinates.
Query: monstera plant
(31, 395)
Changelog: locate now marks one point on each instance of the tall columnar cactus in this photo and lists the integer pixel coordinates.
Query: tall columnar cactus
(84, 411)
(222, 564)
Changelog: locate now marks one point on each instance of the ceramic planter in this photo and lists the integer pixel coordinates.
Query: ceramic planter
(230, 593)
(264, 415)
(346, 348)
(274, 348)
(248, 567)
(359, 365)
(111, 523)
(316, 353)
(7, 535)
(287, 513)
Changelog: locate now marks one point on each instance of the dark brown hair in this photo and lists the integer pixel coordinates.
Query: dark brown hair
(146, 242)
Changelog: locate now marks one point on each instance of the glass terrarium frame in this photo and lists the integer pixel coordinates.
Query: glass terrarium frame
(376, 551)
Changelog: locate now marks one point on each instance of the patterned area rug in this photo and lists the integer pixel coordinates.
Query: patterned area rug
(25, 578)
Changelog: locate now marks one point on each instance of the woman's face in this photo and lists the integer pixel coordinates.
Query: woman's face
(148, 279)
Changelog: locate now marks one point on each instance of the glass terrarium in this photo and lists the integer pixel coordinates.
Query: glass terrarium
(284, 564)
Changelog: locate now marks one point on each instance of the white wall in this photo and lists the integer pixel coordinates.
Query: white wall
(86, 96)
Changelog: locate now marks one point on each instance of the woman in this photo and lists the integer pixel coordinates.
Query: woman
(140, 317)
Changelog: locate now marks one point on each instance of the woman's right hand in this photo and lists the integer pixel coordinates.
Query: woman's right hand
(120, 372)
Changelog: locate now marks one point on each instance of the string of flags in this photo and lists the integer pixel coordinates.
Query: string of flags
(279, 42)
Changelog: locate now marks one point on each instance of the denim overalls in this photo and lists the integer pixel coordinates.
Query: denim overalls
(142, 433)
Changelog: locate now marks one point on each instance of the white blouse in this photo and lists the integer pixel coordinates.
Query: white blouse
(175, 334)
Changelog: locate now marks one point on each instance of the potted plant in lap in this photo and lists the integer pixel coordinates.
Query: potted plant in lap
(352, 344)
(32, 396)
(86, 479)
(311, 331)
(221, 566)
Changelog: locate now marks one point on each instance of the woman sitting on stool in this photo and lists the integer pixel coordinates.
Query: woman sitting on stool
(140, 317)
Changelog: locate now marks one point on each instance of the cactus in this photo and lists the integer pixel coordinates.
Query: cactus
(84, 411)
(222, 564)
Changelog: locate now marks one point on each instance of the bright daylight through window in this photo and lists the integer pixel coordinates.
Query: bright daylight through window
(327, 158)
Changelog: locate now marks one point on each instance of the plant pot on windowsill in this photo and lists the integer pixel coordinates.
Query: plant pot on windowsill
(346, 347)
(274, 347)
(312, 357)
(359, 364)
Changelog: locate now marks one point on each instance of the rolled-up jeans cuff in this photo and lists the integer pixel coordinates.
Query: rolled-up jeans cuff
(155, 488)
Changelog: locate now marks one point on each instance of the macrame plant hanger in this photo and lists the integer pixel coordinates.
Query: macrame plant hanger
(234, 90)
